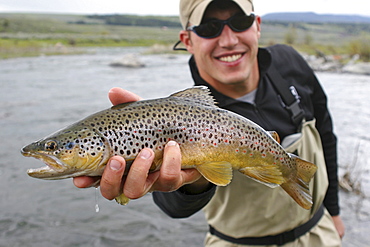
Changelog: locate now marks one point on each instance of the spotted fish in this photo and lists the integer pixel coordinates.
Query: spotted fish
(212, 140)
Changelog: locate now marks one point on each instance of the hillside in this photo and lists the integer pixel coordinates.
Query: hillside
(310, 17)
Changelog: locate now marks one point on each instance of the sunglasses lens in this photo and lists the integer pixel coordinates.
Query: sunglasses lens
(209, 29)
(213, 28)
(241, 23)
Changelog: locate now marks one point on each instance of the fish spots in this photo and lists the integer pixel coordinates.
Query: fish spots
(151, 124)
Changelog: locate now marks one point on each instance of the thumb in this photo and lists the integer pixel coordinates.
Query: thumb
(118, 96)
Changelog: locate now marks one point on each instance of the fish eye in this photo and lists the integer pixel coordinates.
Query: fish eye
(51, 145)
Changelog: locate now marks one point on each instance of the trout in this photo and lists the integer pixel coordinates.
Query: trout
(213, 140)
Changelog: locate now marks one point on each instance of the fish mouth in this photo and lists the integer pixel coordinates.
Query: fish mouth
(53, 165)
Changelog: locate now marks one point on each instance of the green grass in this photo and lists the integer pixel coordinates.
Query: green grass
(35, 34)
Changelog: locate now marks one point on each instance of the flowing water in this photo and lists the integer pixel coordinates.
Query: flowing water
(42, 94)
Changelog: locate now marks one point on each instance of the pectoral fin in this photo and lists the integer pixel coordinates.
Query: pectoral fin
(218, 173)
(122, 199)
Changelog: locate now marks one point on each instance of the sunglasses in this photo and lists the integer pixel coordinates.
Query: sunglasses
(213, 28)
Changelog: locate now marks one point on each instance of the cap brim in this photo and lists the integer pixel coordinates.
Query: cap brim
(197, 15)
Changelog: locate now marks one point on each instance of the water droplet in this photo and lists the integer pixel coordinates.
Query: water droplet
(97, 209)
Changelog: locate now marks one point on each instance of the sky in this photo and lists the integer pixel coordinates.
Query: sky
(170, 7)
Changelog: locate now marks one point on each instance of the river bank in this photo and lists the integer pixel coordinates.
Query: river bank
(334, 63)
(34, 48)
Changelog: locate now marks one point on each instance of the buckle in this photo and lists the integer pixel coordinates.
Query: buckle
(297, 112)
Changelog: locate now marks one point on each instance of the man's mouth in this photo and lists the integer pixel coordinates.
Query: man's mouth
(231, 58)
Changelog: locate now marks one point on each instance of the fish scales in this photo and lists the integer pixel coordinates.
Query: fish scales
(211, 139)
(192, 125)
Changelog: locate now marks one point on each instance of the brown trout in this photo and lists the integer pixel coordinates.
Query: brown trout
(211, 139)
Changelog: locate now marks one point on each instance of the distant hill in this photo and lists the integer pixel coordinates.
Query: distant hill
(135, 20)
(311, 17)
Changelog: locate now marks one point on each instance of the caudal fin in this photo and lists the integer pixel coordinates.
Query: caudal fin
(298, 187)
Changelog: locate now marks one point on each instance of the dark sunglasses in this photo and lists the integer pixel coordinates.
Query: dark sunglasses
(213, 28)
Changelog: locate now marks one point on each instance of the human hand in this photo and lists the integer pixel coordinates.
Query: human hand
(139, 181)
(339, 225)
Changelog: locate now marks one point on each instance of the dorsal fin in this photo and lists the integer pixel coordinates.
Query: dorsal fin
(274, 135)
(122, 105)
(199, 94)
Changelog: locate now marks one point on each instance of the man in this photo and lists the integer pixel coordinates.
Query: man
(222, 36)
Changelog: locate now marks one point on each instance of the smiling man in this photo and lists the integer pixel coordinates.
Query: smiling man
(228, 62)
(273, 87)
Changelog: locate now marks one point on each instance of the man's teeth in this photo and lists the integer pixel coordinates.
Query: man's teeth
(230, 58)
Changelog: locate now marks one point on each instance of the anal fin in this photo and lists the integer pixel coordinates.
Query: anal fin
(269, 175)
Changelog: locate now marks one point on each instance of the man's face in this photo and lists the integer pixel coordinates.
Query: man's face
(228, 59)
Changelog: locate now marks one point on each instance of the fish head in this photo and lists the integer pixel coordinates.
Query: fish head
(71, 152)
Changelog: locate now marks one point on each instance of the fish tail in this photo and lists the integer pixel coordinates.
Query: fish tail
(298, 187)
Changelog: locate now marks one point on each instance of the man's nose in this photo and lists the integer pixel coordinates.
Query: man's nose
(228, 38)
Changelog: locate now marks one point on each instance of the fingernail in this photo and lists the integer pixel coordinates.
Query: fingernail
(145, 154)
(171, 143)
(115, 165)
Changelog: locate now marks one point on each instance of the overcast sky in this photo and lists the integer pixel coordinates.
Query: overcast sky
(170, 7)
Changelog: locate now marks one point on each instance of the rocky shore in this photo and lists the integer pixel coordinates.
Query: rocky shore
(319, 62)
(334, 63)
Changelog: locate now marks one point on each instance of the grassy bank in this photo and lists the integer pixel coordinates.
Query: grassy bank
(45, 34)
(42, 34)
(14, 47)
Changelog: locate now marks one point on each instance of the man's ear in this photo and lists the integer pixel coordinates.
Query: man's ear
(258, 23)
(185, 39)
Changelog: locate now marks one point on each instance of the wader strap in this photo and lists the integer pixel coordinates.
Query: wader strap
(278, 239)
(288, 94)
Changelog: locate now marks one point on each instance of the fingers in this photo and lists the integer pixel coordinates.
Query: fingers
(85, 182)
(171, 176)
(110, 184)
(118, 96)
(139, 181)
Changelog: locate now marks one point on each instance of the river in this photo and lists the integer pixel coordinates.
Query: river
(42, 94)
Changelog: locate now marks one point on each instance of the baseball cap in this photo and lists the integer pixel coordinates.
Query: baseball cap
(192, 10)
